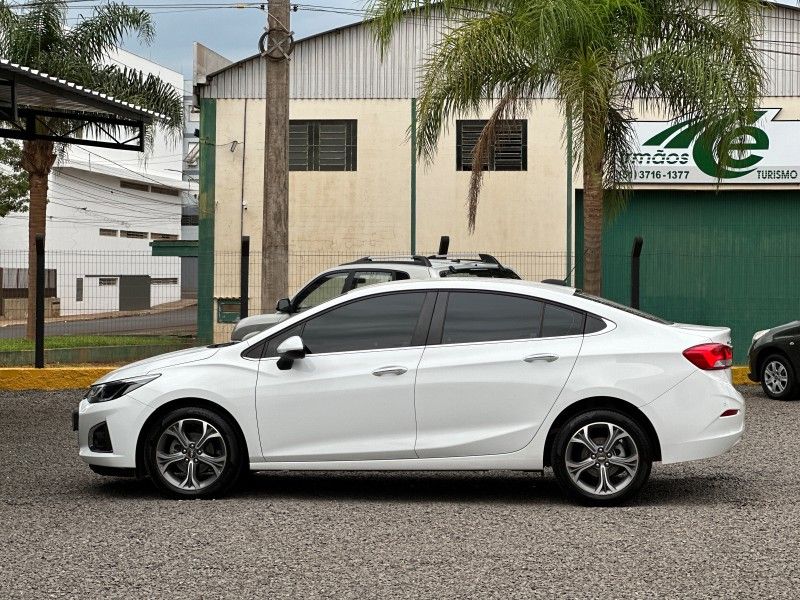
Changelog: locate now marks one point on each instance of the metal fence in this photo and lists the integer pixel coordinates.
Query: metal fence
(114, 307)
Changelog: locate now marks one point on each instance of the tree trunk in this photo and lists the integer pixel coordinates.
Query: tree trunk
(37, 160)
(593, 148)
(275, 220)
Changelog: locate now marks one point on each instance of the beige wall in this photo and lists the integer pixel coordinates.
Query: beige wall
(336, 216)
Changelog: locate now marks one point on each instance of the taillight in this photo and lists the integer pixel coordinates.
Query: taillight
(709, 357)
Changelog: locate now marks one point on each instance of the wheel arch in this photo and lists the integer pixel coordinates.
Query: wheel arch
(141, 468)
(602, 402)
(767, 351)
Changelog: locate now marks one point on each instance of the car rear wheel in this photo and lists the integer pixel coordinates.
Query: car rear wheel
(601, 457)
(778, 378)
(193, 453)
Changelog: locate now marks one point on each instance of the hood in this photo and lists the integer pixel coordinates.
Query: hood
(256, 324)
(721, 335)
(153, 364)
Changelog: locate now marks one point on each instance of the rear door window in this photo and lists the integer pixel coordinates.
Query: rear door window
(485, 317)
(365, 278)
(560, 321)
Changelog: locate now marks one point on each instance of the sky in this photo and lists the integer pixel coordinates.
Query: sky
(233, 32)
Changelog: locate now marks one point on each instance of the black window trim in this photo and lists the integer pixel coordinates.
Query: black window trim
(437, 325)
(418, 338)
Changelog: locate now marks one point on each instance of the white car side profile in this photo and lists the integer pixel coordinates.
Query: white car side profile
(451, 374)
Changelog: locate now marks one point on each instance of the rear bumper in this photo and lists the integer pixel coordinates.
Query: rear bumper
(689, 422)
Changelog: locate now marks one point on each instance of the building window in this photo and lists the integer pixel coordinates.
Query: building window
(508, 153)
(132, 185)
(165, 191)
(322, 145)
(139, 235)
(189, 220)
(107, 281)
(163, 236)
(164, 281)
(79, 289)
(108, 232)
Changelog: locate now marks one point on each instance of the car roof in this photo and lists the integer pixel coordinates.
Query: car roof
(494, 284)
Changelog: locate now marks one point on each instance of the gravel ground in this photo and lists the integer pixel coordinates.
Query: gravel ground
(721, 528)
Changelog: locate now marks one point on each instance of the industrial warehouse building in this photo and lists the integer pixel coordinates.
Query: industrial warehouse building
(726, 254)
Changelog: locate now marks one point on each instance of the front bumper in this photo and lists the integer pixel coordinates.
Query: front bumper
(124, 418)
(689, 422)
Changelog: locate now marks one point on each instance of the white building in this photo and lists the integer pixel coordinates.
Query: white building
(105, 207)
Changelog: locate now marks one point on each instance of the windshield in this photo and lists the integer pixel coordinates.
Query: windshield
(622, 307)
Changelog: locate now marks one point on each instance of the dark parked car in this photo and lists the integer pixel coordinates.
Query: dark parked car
(775, 360)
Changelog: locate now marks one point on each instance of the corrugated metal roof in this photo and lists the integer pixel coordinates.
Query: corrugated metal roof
(42, 90)
(345, 62)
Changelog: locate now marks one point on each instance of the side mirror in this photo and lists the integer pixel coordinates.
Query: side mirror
(289, 350)
(284, 305)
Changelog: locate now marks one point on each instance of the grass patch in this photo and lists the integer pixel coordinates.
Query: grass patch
(83, 341)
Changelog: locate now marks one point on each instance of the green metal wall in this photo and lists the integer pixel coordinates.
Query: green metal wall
(729, 258)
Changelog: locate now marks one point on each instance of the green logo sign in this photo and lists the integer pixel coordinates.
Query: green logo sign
(742, 157)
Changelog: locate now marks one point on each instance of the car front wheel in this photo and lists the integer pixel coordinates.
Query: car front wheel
(193, 453)
(777, 378)
(601, 457)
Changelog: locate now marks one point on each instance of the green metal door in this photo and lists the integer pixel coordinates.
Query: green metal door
(727, 258)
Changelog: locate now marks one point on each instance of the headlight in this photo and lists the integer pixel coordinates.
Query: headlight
(103, 392)
(759, 334)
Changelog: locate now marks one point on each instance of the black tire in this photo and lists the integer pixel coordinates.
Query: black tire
(790, 391)
(597, 421)
(211, 481)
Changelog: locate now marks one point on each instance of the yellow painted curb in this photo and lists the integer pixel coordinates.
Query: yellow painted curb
(740, 376)
(62, 378)
(51, 378)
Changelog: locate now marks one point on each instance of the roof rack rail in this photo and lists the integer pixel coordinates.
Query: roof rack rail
(394, 260)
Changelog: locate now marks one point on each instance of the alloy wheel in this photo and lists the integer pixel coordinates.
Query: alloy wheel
(602, 458)
(776, 377)
(191, 454)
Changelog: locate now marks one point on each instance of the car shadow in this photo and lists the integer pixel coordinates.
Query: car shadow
(446, 487)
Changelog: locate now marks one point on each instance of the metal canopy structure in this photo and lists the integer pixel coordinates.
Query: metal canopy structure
(39, 106)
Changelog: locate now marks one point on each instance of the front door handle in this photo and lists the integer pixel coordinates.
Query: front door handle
(389, 371)
(541, 357)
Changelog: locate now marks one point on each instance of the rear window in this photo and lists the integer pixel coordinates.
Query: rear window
(622, 307)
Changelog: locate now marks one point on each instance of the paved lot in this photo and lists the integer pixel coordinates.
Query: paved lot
(723, 528)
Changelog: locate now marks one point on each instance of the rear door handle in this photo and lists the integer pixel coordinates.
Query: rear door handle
(389, 371)
(541, 357)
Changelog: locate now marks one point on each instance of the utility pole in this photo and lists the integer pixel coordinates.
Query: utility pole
(276, 45)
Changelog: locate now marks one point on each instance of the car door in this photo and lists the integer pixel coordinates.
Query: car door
(494, 366)
(352, 396)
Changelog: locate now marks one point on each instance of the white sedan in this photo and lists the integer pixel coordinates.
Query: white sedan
(426, 375)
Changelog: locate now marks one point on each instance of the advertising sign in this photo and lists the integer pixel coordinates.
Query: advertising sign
(764, 151)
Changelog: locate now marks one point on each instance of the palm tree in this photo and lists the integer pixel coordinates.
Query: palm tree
(600, 60)
(36, 35)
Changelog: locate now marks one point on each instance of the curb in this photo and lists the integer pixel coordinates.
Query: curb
(51, 378)
(62, 378)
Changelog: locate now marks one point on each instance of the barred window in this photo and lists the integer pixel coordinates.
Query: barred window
(322, 145)
(107, 281)
(508, 153)
(139, 235)
(163, 236)
(189, 220)
(108, 232)
(163, 281)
